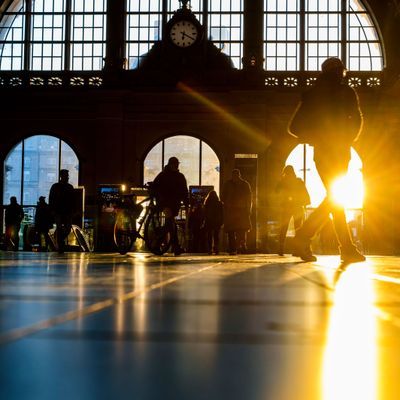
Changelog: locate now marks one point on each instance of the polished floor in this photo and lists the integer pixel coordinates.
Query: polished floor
(248, 327)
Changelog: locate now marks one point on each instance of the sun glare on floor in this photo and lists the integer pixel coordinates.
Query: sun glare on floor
(350, 357)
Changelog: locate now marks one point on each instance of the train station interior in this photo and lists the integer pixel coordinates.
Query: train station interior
(108, 91)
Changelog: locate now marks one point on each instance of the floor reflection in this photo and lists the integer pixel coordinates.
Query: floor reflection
(350, 358)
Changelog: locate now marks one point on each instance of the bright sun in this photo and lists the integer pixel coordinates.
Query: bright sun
(348, 190)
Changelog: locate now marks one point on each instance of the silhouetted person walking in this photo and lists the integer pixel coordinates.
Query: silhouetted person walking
(213, 220)
(170, 189)
(328, 118)
(236, 196)
(294, 197)
(62, 204)
(14, 214)
(43, 222)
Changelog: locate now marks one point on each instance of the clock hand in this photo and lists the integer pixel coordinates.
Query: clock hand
(185, 34)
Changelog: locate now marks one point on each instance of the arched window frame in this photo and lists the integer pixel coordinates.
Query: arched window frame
(62, 147)
(203, 147)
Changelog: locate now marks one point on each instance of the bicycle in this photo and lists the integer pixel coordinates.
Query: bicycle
(131, 224)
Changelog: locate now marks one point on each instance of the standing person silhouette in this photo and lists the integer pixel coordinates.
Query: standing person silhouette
(62, 204)
(14, 214)
(293, 198)
(329, 119)
(236, 196)
(170, 189)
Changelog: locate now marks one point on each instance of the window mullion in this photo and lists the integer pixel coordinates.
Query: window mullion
(164, 15)
(59, 159)
(343, 42)
(200, 160)
(205, 18)
(302, 60)
(22, 173)
(28, 34)
(67, 43)
(163, 154)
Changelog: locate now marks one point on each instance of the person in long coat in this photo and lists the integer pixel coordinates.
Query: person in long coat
(236, 196)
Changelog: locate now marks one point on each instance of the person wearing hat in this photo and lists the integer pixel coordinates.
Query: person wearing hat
(62, 204)
(43, 222)
(170, 189)
(329, 119)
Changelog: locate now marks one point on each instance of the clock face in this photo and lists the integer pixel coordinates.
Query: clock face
(183, 33)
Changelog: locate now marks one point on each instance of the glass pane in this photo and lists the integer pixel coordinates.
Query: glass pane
(12, 174)
(70, 161)
(210, 167)
(153, 163)
(187, 149)
(41, 159)
(225, 28)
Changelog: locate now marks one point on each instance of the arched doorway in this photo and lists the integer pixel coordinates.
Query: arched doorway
(199, 162)
(32, 166)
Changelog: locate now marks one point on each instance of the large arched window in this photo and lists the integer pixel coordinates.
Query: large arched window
(53, 35)
(224, 21)
(33, 165)
(300, 34)
(198, 161)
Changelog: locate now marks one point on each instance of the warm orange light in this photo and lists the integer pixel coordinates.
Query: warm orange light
(348, 190)
(350, 367)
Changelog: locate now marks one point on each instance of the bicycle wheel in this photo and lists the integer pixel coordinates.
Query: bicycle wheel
(156, 235)
(124, 229)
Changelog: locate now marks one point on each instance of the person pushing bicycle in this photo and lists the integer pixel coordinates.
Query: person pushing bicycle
(170, 190)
